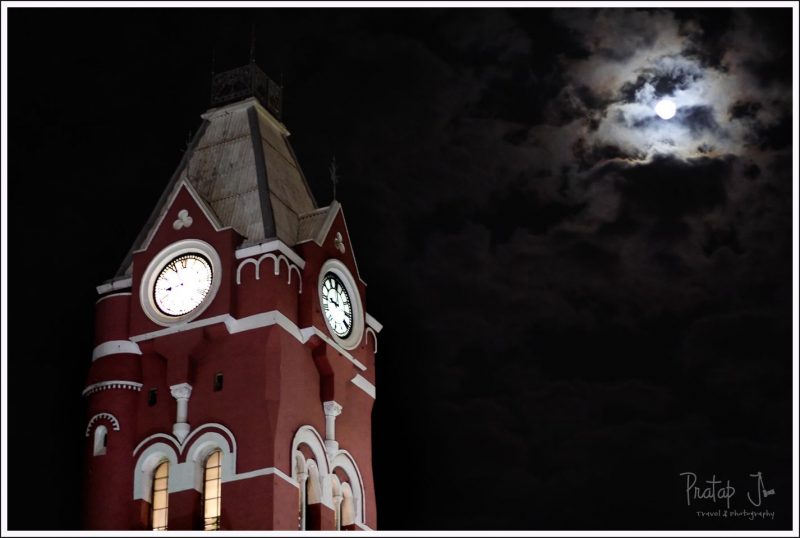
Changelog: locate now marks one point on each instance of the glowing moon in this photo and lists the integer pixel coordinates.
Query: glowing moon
(665, 109)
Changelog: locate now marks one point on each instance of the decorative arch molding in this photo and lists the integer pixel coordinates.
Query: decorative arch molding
(368, 331)
(276, 268)
(344, 461)
(211, 427)
(325, 467)
(102, 416)
(150, 458)
(307, 435)
(116, 384)
(186, 459)
(156, 438)
(180, 448)
(203, 446)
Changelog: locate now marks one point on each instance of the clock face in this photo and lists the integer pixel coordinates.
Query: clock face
(183, 284)
(336, 306)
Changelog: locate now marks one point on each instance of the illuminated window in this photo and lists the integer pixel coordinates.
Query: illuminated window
(160, 504)
(212, 491)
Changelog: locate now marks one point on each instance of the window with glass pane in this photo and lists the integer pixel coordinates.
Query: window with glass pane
(212, 491)
(160, 501)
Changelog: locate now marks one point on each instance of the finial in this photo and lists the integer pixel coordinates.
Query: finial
(334, 175)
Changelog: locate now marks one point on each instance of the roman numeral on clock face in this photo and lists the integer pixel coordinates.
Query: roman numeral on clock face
(336, 306)
(182, 285)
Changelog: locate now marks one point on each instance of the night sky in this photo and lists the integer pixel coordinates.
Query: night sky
(581, 300)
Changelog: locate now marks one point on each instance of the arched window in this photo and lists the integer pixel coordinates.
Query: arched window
(100, 440)
(313, 498)
(160, 497)
(212, 491)
(345, 466)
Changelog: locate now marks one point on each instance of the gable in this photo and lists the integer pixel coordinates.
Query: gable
(243, 174)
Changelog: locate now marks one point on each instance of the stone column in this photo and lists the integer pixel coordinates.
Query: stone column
(332, 410)
(302, 477)
(337, 510)
(181, 392)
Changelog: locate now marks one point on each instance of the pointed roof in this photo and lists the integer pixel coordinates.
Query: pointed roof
(244, 170)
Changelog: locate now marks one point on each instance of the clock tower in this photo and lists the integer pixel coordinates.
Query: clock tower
(233, 373)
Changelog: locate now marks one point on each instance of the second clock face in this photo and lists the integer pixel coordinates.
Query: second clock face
(182, 285)
(336, 306)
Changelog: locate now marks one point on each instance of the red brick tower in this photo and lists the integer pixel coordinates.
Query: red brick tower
(233, 377)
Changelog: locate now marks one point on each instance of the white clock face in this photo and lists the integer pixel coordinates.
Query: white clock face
(336, 306)
(183, 284)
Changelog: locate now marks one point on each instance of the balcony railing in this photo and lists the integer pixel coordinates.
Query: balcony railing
(247, 81)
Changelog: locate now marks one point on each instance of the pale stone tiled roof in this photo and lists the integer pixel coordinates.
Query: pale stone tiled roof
(242, 166)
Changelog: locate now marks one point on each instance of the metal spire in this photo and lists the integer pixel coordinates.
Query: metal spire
(334, 175)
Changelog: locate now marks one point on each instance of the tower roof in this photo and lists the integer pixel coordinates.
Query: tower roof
(243, 168)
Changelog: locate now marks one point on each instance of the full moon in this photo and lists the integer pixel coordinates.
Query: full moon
(665, 109)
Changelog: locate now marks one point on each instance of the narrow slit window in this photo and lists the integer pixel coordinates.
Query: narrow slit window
(100, 440)
(218, 380)
(160, 501)
(152, 397)
(212, 491)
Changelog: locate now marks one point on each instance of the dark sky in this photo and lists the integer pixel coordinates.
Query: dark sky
(581, 301)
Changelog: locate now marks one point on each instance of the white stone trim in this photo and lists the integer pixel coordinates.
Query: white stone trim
(322, 233)
(374, 323)
(150, 438)
(256, 321)
(363, 527)
(114, 347)
(185, 326)
(98, 416)
(374, 339)
(277, 268)
(146, 464)
(309, 436)
(189, 474)
(118, 284)
(345, 461)
(157, 264)
(208, 425)
(364, 385)
(271, 246)
(308, 331)
(264, 472)
(104, 297)
(116, 384)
